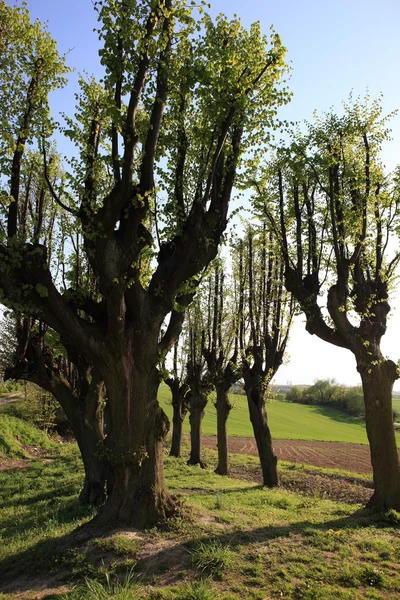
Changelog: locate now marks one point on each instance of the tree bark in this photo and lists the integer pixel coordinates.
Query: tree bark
(377, 382)
(177, 423)
(223, 407)
(262, 434)
(198, 403)
(180, 409)
(134, 447)
(86, 422)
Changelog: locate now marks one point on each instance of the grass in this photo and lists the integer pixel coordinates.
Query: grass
(287, 421)
(233, 540)
(16, 434)
(211, 557)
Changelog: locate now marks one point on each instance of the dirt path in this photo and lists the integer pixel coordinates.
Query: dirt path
(334, 455)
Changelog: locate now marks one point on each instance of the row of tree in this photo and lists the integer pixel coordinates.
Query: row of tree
(104, 255)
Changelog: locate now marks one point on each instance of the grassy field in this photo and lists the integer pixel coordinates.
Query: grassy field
(233, 540)
(287, 421)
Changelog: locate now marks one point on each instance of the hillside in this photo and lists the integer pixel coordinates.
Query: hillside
(287, 421)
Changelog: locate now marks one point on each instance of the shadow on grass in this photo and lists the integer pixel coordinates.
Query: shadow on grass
(41, 566)
(21, 572)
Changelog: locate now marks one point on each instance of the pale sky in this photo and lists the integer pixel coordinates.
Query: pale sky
(334, 48)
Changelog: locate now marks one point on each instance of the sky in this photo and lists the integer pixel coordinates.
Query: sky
(334, 49)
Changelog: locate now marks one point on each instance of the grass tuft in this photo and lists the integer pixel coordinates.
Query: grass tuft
(211, 557)
(111, 589)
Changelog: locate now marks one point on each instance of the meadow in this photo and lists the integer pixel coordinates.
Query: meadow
(286, 420)
(231, 539)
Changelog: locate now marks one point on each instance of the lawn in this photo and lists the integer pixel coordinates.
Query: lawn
(287, 421)
(233, 540)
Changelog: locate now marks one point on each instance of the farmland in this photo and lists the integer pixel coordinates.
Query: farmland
(287, 421)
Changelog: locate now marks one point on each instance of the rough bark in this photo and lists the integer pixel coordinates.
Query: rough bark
(198, 403)
(223, 407)
(85, 417)
(377, 381)
(134, 447)
(86, 423)
(262, 434)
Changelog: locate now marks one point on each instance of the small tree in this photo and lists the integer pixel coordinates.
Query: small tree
(267, 311)
(176, 381)
(221, 351)
(197, 375)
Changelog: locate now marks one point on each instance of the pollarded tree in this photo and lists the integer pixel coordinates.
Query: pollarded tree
(267, 311)
(197, 375)
(221, 351)
(338, 213)
(176, 381)
(198, 95)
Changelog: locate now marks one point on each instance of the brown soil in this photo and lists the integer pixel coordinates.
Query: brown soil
(334, 455)
(315, 484)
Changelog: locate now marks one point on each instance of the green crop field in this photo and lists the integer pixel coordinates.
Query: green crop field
(287, 421)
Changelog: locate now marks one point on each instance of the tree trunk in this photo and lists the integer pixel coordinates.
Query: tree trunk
(198, 403)
(262, 434)
(377, 381)
(223, 407)
(177, 423)
(134, 447)
(179, 407)
(86, 422)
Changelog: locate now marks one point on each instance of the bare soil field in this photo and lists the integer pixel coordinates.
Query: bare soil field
(333, 455)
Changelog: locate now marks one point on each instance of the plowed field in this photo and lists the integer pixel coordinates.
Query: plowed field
(334, 455)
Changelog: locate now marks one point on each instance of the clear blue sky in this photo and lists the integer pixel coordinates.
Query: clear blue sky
(334, 48)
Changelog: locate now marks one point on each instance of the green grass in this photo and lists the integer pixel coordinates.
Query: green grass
(16, 433)
(286, 420)
(234, 540)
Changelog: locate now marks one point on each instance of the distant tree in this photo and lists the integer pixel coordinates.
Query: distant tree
(197, 375)
(266, 311)
(295, 394)
(337, 212)
(221, 351)
(177, 383)
(323, 391)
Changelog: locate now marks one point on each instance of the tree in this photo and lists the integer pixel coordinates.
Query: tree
(221, 351)
(198, 95)
(267, 311)
(176, 381)
(338, 211)
(197, 375)
(77, 388)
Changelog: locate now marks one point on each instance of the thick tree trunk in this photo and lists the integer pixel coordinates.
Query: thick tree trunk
(134, 447)
(198, 403)
(223, 407)
(262, 434)
(377, 381)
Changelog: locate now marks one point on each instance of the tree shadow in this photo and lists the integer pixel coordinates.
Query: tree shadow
(41, 566)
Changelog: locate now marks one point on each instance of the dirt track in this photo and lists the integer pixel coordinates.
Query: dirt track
(334, 455)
